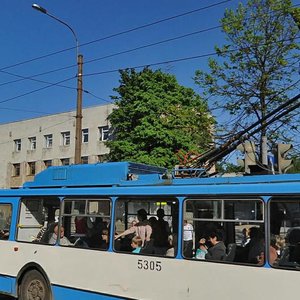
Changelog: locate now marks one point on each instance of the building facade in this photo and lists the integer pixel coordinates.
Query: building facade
(30, 146)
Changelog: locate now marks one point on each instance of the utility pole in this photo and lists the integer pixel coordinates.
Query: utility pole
(78, 118)
(78, 133)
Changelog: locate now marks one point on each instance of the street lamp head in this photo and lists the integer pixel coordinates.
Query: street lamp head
(39, 8)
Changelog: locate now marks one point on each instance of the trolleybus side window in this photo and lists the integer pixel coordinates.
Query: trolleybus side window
(230, 230)
(146, 225)
(284, 244)
(86, 222)
(37, 218)
(5, 220)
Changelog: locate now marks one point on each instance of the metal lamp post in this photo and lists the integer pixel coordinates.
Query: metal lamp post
(78, 130)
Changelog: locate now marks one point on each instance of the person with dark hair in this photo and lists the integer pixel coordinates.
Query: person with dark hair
(142, 228)
(256, 245)
(218, 249)
(161, 232)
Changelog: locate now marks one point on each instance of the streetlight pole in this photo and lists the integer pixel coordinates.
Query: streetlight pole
(78, 129)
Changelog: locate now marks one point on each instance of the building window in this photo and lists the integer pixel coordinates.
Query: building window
(103, 133)
(48, 140)
(32, 143)
(47, 163)
(84, 159)
(16, 170)
(31, 168)
(17, 145)
(65, 161)
(66, 138)
(85, 135)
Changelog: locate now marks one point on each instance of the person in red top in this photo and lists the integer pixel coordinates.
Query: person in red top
(80, 225)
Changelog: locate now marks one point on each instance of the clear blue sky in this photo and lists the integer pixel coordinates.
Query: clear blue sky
(27, 34)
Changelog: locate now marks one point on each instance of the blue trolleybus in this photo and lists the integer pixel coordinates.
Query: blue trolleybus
(131, 231)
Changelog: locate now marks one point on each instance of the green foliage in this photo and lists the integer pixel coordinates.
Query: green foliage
(295, 12)
(156, 118)
(254, 72)
(296, 165)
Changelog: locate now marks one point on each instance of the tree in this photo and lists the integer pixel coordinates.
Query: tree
(256, 68)
(155, 118)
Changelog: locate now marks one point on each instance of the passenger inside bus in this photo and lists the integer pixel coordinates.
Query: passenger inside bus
(171, 251)
(160, 233)
(63, 240)
(188, 230)
(291, 252)
(4, 232)
(201, 251)
(80, 225)
(105, 239)
(142, 228)
(256, 245)
(94, 232)
(136, 244)
(218, 250)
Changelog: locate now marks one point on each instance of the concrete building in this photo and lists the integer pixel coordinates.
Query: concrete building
(28, 147)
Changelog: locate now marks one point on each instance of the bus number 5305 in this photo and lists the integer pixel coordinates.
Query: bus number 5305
(144, 264)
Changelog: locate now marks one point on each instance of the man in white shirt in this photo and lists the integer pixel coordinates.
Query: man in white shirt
(187, 239)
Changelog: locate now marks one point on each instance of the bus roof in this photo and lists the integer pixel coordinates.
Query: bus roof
(135, 174)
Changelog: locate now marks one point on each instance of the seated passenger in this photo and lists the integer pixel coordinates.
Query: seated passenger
(105, 239)
(246, 237)
(136, 244)
(94, 231)
(273, 255)
(218, 250)
(63, 240)
(201, 251)
(256, 245)
(4, 234)
(171, 249)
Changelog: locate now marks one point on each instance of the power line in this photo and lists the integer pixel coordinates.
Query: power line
(138, 67)
(103, 57)
(111, 55)
(119, 33)
(97, 97)
(184, 58)
(31, 78)
(25, 110)
(37, 90)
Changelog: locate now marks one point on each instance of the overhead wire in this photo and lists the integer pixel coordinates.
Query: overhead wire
(130, 50)
(36, 90)
(120, 33)
(22, 78)
(131, 67)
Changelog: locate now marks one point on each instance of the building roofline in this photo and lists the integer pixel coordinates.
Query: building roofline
(57, 114)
